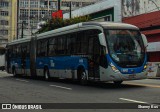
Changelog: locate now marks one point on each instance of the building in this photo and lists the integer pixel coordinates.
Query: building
(8, 23)
(5, 21)
(104, 10)
(132, 8)
(76, 4)
(31, 12)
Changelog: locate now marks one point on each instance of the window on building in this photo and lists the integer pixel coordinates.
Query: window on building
(4, 4)
(4, 32)
(4, 13)
(108, 18)
(4, 22)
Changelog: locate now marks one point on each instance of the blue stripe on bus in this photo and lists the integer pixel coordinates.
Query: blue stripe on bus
(59, 63)
(130, 70)
(62, 62)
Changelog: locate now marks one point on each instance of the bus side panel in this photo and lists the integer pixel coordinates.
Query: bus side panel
(62, 67)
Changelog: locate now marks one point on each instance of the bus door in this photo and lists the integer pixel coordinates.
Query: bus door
(94, 52)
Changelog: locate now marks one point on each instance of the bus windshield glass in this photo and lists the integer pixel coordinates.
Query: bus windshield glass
(125, 47)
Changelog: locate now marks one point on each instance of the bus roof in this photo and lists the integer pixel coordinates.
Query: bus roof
(23, 40)
(105, 25)
(112, 25)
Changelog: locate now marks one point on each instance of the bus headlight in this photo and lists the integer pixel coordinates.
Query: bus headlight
(114, 68)
(145, 67)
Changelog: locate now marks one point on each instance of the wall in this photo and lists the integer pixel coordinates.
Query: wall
(137, 7)
(99, 7)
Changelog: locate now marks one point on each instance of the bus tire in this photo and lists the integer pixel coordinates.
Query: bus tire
(46, 74)
(118, 82)
(82, 77)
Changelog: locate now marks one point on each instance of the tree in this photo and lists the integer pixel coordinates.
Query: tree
(55, 23)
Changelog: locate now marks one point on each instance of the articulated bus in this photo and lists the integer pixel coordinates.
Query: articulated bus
(89, 51)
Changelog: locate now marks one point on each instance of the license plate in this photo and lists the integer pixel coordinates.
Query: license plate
(132, 76)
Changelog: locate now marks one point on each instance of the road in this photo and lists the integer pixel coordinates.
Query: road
(26, 90)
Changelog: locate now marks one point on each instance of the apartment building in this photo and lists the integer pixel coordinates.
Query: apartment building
(31, 12)
(8, 20)
(5, 21)
(19, 18)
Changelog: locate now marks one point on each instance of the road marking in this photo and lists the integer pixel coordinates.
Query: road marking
(130, 100)
(147, 85)
(22, 80)
(61, 87)
(136, 101)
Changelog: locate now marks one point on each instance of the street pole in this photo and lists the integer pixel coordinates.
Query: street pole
(17, 18)
(70, 10)
(59, 5)
(22, 29)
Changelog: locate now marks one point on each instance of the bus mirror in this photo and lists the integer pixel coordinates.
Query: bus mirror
(144, 40)
(102, 39)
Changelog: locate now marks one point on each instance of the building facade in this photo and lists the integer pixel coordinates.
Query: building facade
(137, 7)
(31, 12)
(8, 23)
(104, 10)
(5, 21)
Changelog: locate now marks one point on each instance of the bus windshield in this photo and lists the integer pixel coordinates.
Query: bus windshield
(125, 47)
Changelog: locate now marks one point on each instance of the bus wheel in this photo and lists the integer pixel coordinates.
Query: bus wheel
(46, 74)
(83, 77)
(118, 82)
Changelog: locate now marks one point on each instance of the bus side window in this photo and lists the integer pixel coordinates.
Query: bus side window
(61, 45)
(28, 48)
(14, 51)
(72, 46)
(38, 48)
(52, 47)
(78, 42)
(42, 48)
(81, 43)
(18, 50)
(68, 44)
(90, 46)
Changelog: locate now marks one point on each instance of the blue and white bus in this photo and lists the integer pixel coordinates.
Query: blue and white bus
(95, 51)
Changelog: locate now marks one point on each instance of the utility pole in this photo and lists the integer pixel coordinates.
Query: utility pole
(17, 18)
(59, 5)
(70, 10)
(22, 29)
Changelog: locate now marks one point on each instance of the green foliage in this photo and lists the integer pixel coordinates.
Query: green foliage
(55, 23)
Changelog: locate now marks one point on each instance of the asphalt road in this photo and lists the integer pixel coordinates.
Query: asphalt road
(26, 90)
